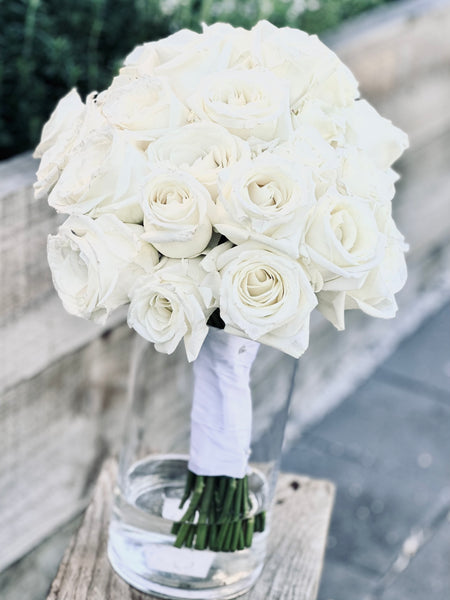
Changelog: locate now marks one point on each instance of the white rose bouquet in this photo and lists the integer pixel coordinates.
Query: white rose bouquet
(233, 179)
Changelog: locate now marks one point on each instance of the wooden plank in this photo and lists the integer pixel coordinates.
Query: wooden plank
(293, 565)
(24, 226)
(17, 173)
(55, 430)
(424, 196)
(41, 337)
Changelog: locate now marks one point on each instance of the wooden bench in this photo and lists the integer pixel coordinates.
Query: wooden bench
(297, 543)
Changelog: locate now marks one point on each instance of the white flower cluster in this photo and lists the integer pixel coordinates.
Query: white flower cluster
(231, 169)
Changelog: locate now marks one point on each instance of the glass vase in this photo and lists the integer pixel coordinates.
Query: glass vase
(153, 469)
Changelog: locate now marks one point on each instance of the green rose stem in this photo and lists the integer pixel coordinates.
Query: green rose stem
(217, 517)
(202, 526)
(188, 518)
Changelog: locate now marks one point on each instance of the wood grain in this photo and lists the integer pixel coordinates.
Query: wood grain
(302, 513)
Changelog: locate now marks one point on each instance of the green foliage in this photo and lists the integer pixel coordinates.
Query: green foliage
(49, 46)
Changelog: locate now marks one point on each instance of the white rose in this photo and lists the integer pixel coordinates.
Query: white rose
(307, 149)
(57, 139)
(55, 158)
(377, 136)
(376, 296)
(250, 104)
(313, 71)
(202, 148)
(92, 121)
(264, 295)
(265, 200)
(198, 58)
(61, 122)
(52, 163)
(103, 175)
(342, 242)
(172, 303)
(327, 119)
(145, 58)
(95, 262)
(240, 40)
(357, 175)
(144, 106)
(177, 213)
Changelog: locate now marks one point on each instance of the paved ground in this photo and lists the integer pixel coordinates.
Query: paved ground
(387, 448)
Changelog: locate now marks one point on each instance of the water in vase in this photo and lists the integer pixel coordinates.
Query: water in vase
(140, 536)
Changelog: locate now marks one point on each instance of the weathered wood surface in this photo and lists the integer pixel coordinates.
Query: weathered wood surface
(24, 226)
(302, 513)
(63, 381)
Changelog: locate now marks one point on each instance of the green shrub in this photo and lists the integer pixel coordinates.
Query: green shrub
(50, 46)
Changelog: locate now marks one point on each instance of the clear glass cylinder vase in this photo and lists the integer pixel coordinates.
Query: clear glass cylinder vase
(153, 469)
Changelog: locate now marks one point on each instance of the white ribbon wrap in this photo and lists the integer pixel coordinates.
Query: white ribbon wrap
(221, 417)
